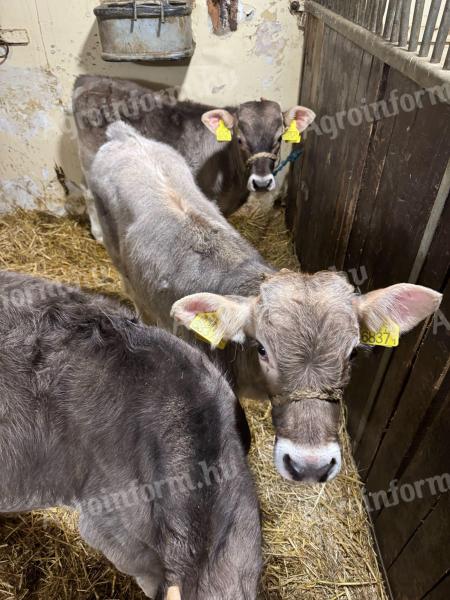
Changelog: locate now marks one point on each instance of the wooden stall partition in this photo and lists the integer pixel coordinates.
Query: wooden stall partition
(370, 197)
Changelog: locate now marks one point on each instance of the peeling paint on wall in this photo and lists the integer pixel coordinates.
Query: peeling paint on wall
(269, 41)
(36, 132)
(25, 192)
(27, 97)
(21, 191)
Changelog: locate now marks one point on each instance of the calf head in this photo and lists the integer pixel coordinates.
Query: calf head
(305, 330)
(257, 129)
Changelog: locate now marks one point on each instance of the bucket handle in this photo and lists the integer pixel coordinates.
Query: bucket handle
(162, 3)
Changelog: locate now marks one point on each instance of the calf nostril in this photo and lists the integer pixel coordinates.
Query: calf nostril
(325, 471)
(261, 184)
(307, 469)
(292, 468)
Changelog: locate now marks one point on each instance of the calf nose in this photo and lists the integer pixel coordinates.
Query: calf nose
(308, 471)
(298, 462)
(260, 183)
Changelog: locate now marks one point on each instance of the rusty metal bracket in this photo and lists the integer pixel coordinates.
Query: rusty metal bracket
(297, 8)
(14, 37)
(11, 37)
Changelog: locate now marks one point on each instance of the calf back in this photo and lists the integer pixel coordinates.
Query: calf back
(93, 405)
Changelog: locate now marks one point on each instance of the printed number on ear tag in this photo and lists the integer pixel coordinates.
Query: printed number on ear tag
(387, 336)
(292, 134)
(205, 327)
(223, 134)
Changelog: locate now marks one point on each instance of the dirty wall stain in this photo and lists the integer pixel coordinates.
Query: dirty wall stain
(28, 96)
(269, 43)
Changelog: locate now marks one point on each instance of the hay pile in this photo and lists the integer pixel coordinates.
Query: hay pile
(317, 543)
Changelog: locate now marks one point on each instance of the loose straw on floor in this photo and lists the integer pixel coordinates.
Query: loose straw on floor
(317, 542)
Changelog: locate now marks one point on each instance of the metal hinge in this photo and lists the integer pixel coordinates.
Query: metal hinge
(297, 8)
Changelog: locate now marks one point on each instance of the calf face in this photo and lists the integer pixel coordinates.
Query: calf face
(305, 329)
(257, 129)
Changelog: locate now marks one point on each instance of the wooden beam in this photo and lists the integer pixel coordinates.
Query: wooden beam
(418, 69)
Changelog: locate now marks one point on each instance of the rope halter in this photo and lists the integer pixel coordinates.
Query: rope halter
(255, 157)
(330, 396)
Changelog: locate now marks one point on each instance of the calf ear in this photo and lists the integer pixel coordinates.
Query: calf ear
(404, 303)
(234, 313)
(301, 115)
(212, 118)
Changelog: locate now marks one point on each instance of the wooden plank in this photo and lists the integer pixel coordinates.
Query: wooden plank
(368, 88)
(397, 195)
(314, 33)
(396, 524)
(441, 591)
(346, 178)
(326, 205)
(316, 148)
(427, 375)
(416, 69)
(402, 201)
(433, 275)
(425, 559)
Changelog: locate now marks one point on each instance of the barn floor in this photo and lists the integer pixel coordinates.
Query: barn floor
(317, 541)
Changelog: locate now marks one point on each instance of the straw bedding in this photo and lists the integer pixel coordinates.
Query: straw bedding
(317, 542)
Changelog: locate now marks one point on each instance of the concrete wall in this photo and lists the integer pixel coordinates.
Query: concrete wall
(262, 58)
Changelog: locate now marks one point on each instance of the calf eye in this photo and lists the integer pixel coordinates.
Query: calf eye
(239, 141)
(261, 350)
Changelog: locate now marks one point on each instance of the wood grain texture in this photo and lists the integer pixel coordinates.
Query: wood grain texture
(424, 560)
(362, 202)
(396, 524)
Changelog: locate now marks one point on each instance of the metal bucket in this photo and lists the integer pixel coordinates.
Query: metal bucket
(145, 31)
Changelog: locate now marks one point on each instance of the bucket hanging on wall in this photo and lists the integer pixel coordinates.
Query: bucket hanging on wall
(145, 30)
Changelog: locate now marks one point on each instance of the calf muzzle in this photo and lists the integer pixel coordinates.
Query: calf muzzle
(261, 178)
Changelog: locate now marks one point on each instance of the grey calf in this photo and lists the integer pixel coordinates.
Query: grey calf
(293, 333)
(225, 171)
(134, 428)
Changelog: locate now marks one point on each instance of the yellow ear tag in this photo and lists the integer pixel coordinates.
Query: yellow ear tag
(387, 336)
(223, 134)
(205, 326)
(292, 134)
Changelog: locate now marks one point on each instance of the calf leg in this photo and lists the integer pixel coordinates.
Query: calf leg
(128, 554)
(96, 228)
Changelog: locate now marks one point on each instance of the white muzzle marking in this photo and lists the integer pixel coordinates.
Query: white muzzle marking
(296, 462)
(261, 183)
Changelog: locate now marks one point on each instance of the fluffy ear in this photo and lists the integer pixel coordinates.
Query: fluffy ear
(234, 313)
(404, 303)
(301, 115)
(212, 118)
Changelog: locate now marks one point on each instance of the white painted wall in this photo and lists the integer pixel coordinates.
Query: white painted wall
(262, 58)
